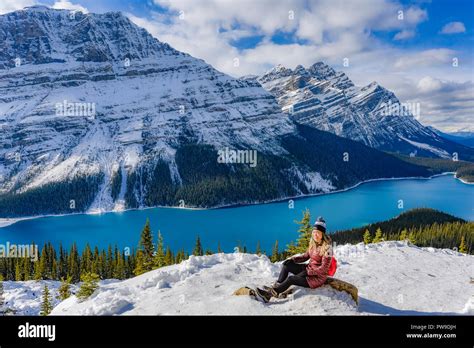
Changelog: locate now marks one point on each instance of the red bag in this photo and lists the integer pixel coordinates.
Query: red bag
(332, 266)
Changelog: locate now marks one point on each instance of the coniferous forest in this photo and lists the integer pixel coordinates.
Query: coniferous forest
(72, 196)
(464, 170)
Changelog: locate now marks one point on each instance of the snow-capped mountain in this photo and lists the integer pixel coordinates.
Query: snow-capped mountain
(96, 114)
(392, 278)
(144, 93)
(328, 100)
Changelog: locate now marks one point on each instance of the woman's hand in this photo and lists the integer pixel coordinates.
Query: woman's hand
(300, 257)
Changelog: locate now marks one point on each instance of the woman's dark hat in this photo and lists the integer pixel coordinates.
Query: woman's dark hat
(320, 224)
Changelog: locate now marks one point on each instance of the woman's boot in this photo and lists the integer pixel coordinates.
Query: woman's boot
(266, 295)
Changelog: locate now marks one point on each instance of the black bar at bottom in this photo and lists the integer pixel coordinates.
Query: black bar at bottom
(227, 330)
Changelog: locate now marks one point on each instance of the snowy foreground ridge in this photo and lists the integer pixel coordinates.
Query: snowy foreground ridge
(393, 278)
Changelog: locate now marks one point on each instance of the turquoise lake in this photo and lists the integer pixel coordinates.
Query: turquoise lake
(369, 202)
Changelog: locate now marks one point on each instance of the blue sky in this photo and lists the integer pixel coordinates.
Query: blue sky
(407, 46)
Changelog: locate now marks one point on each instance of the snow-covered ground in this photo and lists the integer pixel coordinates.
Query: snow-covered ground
(392, 277)
(24, 298)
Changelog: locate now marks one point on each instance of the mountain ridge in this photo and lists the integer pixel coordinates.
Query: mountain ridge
(328, 100)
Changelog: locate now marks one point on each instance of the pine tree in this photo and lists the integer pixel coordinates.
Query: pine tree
(168, 257)
(119, 270)
(275, 253)
(131, 263)
(54, 269)
(26, 268)
(304, 231)
(109, 263)
(86, 259)
(180, 256)
(140, 263)
(46, 302)
(258, 250)
(64, 289)
(367, 237)
(103, 264)
(44, 264)
(147, 247)
(2, 297)
(89, 285)
(411, 238)
(159, 258)
(219, 250)
(403, 234)
(95, 267)
(198, 248)
(37, 270)
(462, 246)
(62, 263)
(378, 236)
(73, 269)
(18, 274)
(290, 248)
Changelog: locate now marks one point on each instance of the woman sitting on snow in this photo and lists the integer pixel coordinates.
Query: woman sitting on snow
(311, 275)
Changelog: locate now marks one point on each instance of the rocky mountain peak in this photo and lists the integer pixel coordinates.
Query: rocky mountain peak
(40, 35)
(321, 71)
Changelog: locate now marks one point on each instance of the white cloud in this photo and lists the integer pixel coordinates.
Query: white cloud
(445, 92)
(67, 5)
(446, 104)
(437, 56)
(429, 84)
(404, 35)
(13, 5)
(330, 29)
(415, 15)
(453, 28)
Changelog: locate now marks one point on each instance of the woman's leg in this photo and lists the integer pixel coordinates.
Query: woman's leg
(290, 267)
(299, 280)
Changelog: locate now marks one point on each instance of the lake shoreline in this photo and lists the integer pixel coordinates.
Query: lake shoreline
(464, 182)
(4, 222)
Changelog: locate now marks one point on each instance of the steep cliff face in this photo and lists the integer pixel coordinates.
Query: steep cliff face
(328, 100)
